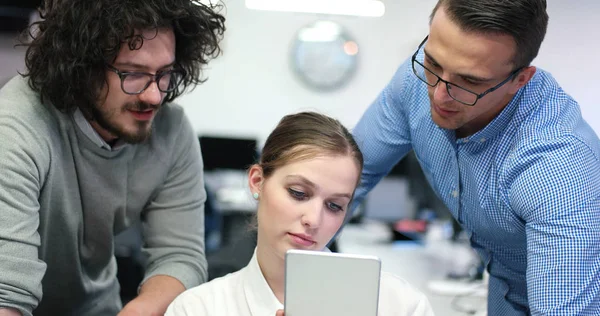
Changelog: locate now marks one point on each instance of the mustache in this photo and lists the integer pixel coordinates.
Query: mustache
(141, 106)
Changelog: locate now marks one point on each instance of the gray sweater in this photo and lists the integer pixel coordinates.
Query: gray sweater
(63, 199)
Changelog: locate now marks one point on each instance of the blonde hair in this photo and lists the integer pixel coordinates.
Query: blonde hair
(307, 135)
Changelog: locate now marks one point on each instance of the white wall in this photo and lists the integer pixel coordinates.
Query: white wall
(251, 86)
(11, 58)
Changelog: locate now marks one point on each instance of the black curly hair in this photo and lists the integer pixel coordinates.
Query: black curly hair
(75, 40)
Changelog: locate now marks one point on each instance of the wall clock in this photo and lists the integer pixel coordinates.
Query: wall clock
(324, 56)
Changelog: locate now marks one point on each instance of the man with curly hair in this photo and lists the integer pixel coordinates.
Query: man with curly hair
(90, 142)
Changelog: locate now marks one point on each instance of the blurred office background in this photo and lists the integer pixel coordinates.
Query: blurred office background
(335, 57)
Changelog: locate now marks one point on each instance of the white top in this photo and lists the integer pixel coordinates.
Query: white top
(247, 293)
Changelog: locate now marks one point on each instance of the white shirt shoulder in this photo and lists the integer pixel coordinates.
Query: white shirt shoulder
(399, 298)
(222, 293)
(242, 293)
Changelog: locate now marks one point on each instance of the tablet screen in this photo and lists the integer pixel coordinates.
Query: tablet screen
(324, 284)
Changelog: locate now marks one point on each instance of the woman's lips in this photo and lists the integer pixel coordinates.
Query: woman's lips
(302, 240)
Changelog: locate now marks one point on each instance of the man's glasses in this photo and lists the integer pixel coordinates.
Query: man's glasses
(456, 92)
(137, 82)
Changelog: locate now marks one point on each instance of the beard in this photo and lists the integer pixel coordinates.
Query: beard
(141, 130)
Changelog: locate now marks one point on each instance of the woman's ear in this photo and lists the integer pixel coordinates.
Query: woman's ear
(255, 179)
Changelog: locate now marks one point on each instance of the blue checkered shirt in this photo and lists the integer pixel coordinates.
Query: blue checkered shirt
(526, 188)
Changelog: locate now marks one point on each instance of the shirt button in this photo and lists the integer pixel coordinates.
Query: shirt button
(455, 193)
(482, 140)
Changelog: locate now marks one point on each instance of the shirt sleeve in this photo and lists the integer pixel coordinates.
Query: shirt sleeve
(383, 133)
(173, 222)
(23, 165)
(556, 190)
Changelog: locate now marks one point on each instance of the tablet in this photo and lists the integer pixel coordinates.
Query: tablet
(321, 283)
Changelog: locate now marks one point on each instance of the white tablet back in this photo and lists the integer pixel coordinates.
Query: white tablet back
(328, 284)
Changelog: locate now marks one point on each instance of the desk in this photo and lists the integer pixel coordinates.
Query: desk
(411, 262)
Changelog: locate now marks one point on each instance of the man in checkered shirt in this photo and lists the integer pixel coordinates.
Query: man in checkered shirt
(504, 147)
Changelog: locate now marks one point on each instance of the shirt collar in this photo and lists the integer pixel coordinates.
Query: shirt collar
(87, 129)
(261, 299)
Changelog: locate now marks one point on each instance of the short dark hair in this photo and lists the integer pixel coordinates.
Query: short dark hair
(75, 40)
(525, 20)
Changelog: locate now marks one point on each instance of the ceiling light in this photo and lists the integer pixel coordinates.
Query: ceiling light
(371, 8)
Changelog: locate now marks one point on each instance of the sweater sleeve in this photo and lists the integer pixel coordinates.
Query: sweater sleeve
(23, 164)
(173, 223)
